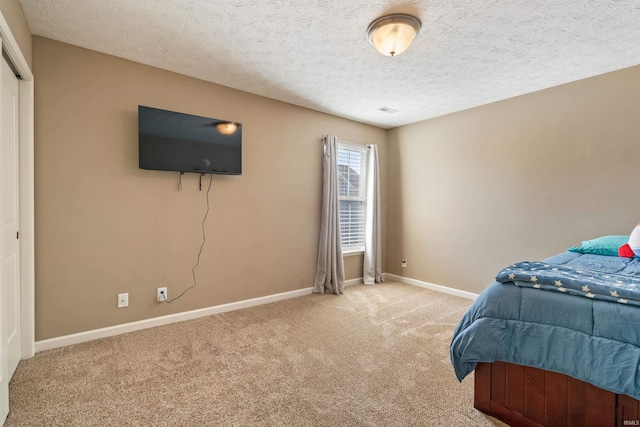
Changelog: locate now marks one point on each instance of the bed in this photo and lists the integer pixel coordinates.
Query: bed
(556, 342)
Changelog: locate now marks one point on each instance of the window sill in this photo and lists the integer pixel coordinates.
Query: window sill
(352, 253)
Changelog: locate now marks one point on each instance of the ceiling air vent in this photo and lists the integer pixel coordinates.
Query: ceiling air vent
(388, 110)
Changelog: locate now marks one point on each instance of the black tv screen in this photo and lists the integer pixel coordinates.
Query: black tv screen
(173, 141)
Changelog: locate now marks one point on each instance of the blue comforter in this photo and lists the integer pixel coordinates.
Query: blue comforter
(588, 334)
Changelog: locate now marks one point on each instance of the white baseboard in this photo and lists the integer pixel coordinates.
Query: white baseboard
(194, 314)
(427, 285)
(171, 318)
(351, 282)
(164, 320)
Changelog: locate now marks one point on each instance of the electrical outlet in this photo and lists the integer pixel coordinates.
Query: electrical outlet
(403, 263)
(162, 295)
(123, 300)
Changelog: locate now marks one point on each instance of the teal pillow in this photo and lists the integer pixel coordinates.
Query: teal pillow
(605, 245)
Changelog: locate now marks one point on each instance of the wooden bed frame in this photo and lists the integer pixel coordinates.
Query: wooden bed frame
(524, 396)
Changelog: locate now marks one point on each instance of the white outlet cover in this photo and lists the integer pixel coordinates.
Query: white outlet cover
(159, 297)
(123, 300)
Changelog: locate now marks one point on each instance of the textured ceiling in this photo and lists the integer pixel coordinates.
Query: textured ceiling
(314, 53)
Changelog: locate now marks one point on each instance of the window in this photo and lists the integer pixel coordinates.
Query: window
(351, 195)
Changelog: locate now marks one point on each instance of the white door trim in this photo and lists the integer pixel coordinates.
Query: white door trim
(27, 241)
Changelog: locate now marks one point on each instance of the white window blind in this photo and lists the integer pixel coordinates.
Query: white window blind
(351, 195)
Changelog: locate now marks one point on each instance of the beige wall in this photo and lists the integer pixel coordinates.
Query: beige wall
(104, 227)
(466, 193)
(12, 12)
(524, 178)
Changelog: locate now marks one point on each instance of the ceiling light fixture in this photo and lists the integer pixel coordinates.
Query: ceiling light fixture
(392, 34)
(227, 128)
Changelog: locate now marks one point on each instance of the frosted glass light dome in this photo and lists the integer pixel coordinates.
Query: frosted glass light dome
(392, 34)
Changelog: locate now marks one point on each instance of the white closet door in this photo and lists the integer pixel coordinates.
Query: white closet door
(10, 251)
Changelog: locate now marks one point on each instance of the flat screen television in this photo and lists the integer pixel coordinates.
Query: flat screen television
(180, 142)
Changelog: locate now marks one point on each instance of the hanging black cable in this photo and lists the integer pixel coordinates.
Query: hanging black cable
(204, 240)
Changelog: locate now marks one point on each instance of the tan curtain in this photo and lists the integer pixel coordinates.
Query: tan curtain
(372, 267)
(330, 268)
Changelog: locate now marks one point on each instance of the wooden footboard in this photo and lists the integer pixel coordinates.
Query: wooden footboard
(524, 396)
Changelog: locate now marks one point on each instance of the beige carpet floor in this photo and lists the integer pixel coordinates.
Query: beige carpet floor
(375, 356)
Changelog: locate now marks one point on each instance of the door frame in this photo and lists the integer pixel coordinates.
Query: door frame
(27, 195)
